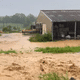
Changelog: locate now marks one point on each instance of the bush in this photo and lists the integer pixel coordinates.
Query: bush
(41, 38)
(7, 29)
(0, 34)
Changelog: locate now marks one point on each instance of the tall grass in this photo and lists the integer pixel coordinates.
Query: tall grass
(53, 76)
(58, 49)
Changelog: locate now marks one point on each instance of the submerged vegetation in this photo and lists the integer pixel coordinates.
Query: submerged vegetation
(53, 76)
(7, 52)
(58, 49)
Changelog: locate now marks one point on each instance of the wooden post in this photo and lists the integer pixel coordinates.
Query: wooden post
(75, 31)
(52, 31)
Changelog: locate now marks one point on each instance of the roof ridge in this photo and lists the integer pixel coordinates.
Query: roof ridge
(63, 10)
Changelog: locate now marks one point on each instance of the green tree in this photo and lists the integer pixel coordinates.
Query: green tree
(5, 29)
(31, 17)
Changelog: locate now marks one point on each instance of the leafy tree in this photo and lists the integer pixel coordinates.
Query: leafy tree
(8, 28)
(6, 19)
(31, 17)
(5, 29)
(19, 18)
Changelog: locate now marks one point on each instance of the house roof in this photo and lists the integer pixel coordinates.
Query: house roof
(62, 15)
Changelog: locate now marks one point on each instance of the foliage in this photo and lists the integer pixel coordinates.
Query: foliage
(7, 29)
(41, 38)
(58, 49)
(11, 24)
(0, 34)
(11, 29)
(7, 52)
(15, 28)
(18, 18)
(53, 76)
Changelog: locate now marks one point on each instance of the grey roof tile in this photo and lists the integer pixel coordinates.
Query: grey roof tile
(63, 15)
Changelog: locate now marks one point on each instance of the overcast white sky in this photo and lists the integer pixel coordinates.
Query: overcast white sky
(10, 7)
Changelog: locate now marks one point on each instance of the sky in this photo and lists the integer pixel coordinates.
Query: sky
(10, 7)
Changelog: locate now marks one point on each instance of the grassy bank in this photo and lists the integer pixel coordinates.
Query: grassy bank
(58, 49)
(7, 52)
(53, 76)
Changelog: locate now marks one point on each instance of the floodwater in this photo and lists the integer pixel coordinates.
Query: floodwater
(28, 65)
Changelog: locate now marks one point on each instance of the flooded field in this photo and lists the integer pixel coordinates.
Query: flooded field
(29, 65)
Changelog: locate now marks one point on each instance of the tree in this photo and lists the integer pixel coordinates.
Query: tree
(31, 17)
(19, 18)
(8, 28)
(6, 19)
(5, 29)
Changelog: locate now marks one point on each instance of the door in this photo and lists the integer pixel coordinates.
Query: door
(44, 29)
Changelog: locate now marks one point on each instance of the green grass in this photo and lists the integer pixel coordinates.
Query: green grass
(41, 38)
(53, 76)
(58, 49)
(7, 52)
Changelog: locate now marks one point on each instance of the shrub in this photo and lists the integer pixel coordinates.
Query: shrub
(0, 34)
(7, 29)
(41, 38)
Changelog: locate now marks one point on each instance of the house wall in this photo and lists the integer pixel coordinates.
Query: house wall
(42, 18)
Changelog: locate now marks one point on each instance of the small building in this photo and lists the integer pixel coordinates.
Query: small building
(61, 23)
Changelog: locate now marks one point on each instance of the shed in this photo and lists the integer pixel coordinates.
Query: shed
(61, 23)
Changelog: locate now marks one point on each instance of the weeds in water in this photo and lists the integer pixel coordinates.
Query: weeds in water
(11, 49)
(58, 49)
(21, 52)
(53, 76)
(7, 52)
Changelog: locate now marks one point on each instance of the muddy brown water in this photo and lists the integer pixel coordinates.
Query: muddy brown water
(30, 64)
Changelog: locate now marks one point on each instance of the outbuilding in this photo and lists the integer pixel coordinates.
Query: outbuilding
(61, 23)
